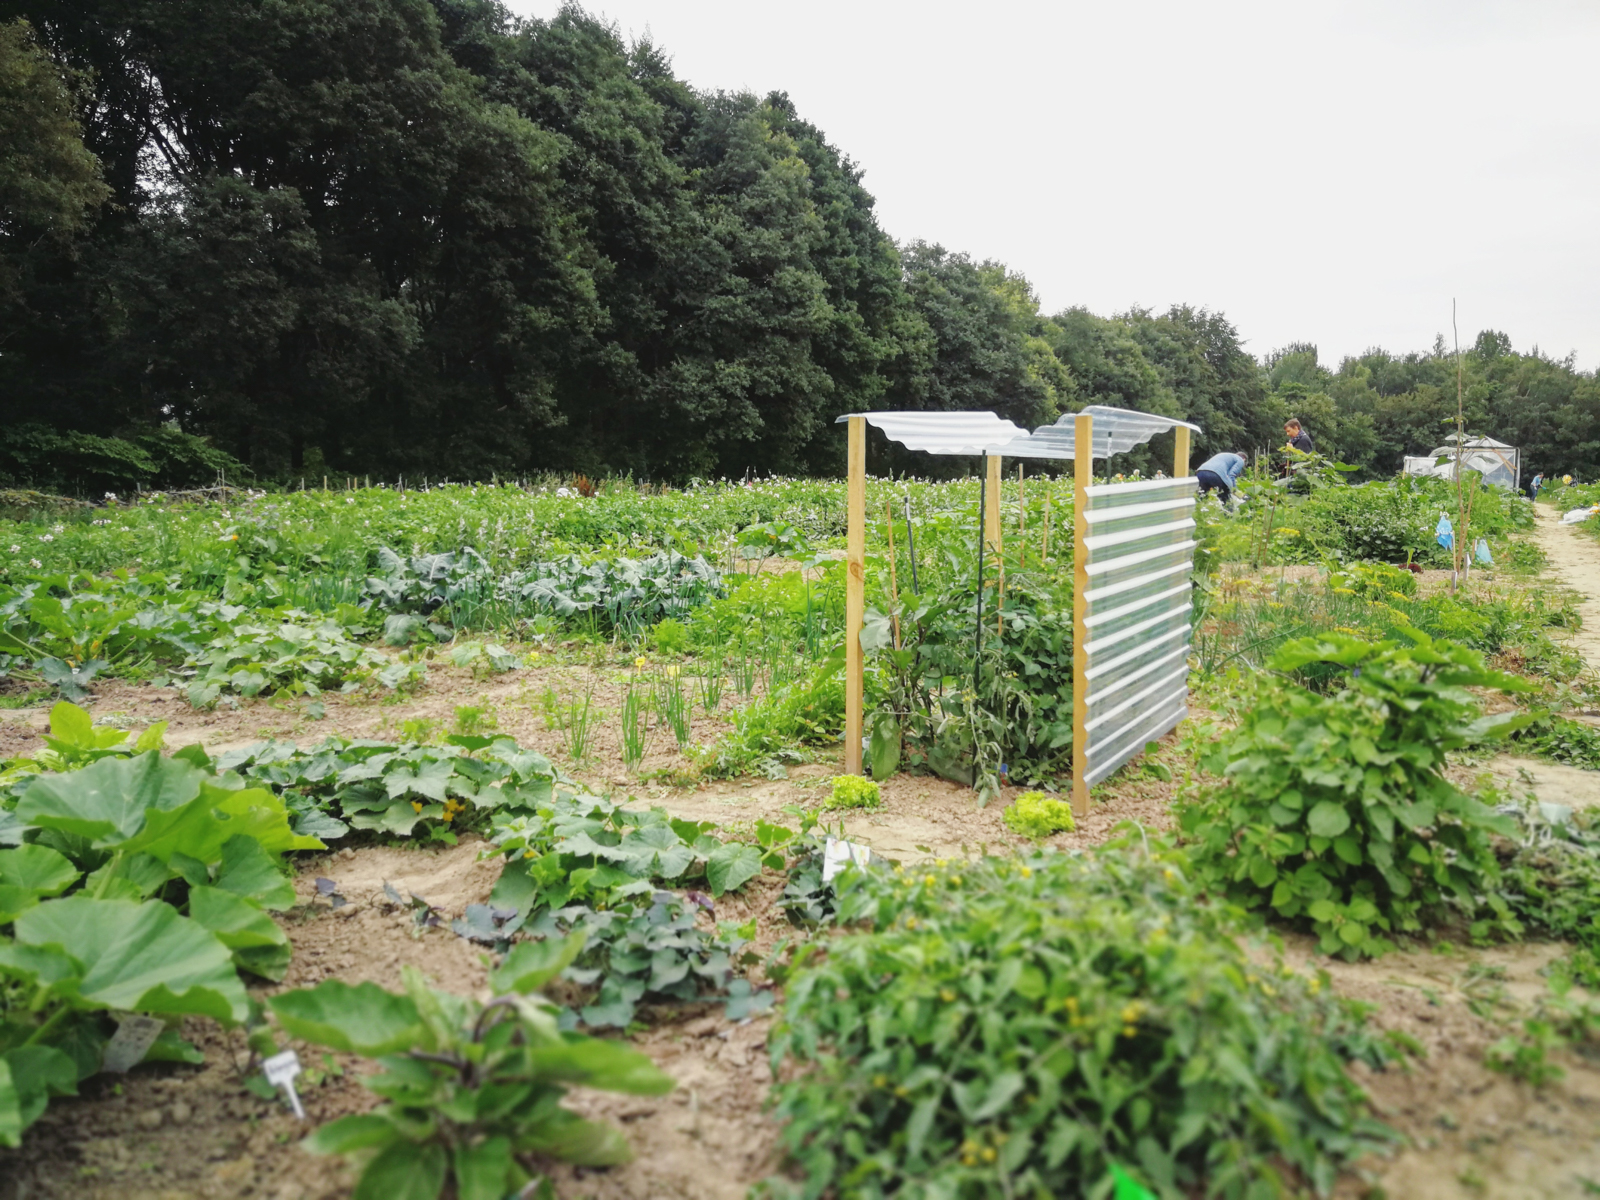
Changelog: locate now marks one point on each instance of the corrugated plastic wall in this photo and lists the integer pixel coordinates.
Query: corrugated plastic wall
(1140, 547)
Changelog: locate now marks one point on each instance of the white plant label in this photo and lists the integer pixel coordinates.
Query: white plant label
(836, 853)
(131, 1042)
(280, 1071)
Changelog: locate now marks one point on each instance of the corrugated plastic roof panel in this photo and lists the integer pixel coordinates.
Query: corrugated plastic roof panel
(1115, 430)
(943, 432)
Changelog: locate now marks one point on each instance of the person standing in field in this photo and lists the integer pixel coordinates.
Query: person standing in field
(1221, 471)
(1299, 437)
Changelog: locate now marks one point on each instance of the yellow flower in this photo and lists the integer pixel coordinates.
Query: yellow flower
(416, 805)
(955, 882)
(902, 1092)
(1128, 1031)
(880, 1081)
(946, 995)
(989, 1154)
(929, 880)
(911, 922)
(1027, 872)
(969, 1147)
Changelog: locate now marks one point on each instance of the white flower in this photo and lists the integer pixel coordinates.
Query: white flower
(16, 549)
(349, 499)
(58, 528)
(45, 537)
(561, 491)
(35, 563)
(111, 496)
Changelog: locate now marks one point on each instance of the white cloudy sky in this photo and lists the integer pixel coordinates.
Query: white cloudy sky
(1333, 172)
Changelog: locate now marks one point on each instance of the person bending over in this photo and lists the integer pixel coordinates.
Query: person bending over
(1221, 471)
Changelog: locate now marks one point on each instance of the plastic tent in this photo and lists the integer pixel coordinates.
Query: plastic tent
(1498, 463)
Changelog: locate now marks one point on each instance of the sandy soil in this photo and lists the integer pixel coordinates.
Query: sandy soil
(193, 1133)
(1575, 563)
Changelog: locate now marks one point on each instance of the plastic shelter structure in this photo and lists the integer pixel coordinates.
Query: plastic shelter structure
(1133, 556)
(1498, 463)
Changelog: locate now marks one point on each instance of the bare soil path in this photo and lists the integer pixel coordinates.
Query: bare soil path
(1574, 556)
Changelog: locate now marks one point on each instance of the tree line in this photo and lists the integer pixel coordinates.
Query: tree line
(424, 237)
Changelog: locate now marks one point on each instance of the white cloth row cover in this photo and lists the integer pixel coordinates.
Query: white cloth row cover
(1115, 431)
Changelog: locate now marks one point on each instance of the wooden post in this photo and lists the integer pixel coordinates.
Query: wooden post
(855, 600)
(1083, 436)
(991, 510)
(1180, 454)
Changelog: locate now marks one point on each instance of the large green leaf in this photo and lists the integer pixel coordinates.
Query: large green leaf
(218, 814)
(363, 1019)
(258, 944)
(10, 1109)
(597, 1063)
(37, 1073)
(248, 870)
(359, 1132)
(139, 957)
(38, 869)
(482, 1170)
(403, 1171)
(1327, 819)
(531, 965)
(730, 865)
(109, 801)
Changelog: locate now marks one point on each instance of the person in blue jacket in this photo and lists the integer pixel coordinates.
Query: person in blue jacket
(1221, 471)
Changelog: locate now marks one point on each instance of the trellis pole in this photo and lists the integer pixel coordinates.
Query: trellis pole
(1083, 454)
(1180, 454)
(855, 591)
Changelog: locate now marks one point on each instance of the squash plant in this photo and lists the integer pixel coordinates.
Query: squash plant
(137, 884)
(1335, 811)
(473, 1090)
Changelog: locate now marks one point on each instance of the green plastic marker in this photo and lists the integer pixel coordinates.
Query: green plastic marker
(1128, 1188)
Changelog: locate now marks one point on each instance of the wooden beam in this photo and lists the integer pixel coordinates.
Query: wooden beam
(1083, 434)
(991, 511)
(1180, 454)
(855, 604)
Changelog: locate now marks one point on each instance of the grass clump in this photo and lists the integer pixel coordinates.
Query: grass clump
(853, 791)
(1025, 1027)
(1035, 815)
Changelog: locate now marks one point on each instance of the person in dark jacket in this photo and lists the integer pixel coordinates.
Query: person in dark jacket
(1298, 437)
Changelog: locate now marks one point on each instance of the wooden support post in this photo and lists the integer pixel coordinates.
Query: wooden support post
(1083, 435)
(1180, 454)
(991, 510)
(855, 600)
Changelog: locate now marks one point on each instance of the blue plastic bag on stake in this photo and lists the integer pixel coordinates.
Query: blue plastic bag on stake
(1481, 552)
(1444, 533)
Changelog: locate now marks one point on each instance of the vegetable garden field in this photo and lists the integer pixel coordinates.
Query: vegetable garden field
(496, 829)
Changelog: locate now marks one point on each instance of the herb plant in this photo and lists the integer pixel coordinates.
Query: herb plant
(1026, 1027)
(1335, 811)
(472, 1090)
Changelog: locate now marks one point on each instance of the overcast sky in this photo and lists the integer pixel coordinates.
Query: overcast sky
(1332, 173)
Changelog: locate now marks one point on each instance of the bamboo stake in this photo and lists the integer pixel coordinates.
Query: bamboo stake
(894, 588)
(1461, 511)
(1022, 524)
(1044, 553)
